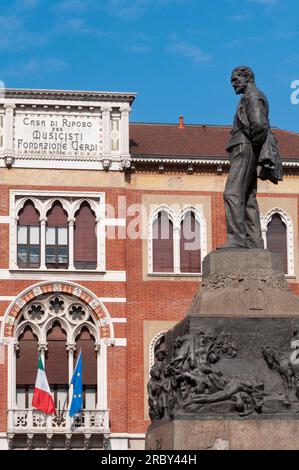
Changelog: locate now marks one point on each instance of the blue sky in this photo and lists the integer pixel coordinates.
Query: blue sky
(176, 54)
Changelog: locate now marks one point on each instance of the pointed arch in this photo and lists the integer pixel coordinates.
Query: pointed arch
(287, 221)
(161, 240)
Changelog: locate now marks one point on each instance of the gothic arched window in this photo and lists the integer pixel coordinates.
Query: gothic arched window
(28, 241)
(190, 253)
(85, 240)
(163, 243)
(277, 238)
(57, 237)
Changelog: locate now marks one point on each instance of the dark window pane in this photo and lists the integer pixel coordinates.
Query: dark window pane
(22, 255)
(62, 252)
(34, 255)
(50, 254)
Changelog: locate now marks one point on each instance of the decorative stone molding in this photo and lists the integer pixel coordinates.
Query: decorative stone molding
(266, 219)
(229, 280)
(49, 289)
(125, 164)
(9, 158)
(176, 215)
(106, 163)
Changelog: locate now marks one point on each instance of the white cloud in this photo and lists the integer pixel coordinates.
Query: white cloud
(139, 44)
(35, 66)
(13, 34)
(264, 2)
(27, 4)
(73, 6)
(133, 9)
(78, 26)
(189, 51)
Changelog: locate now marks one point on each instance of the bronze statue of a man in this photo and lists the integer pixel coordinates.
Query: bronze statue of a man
(253, 153)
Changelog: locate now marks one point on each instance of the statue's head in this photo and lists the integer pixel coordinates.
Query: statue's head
(241, 77)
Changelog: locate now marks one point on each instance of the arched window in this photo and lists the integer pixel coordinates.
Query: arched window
(85, 240)
(277, 238)
(64, 326)
(28, 251)
(162, 243)
(57, 237)
(57, 364)
(85, 343)
(25, 376)
(190, 253)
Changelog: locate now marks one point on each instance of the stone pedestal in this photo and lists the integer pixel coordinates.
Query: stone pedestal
(229, 376)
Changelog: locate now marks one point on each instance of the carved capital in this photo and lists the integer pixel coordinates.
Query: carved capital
(71, 347)
(125, 163)
(9, 106)
(42, 347)
(9, 158)
(106, 162)
(125, 108)
(106, 108)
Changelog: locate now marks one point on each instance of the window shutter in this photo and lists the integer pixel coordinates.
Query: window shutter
(162, 244)
(85, 240)
(190, 255)
(57, 217)
(85, 342)
(277, 239)
(27, 358)
(56, 356)
(28, 215)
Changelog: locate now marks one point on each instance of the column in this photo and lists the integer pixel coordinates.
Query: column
(43, 221)
(8, 133)
(98, 351)
(71, 348)
(15, 243)
(102, 401)
(106, 110)
(71, 223)
(176, 249)
(124, 139)
(100, 231)
(42, 348)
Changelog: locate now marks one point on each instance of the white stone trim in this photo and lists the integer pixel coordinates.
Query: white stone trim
(101, 299)
(290, 234)
(77, 287)
(63, 275)
(115, 222)
(119, 320)
(120, 341)
(151, 348)
(4, 219)
(72, 329)
(71, 202)
(176, 216)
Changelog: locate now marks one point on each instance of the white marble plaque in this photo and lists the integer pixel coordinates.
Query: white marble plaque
(57, 134)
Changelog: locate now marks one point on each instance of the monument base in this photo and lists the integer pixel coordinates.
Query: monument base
(224, 435)
(228, 376)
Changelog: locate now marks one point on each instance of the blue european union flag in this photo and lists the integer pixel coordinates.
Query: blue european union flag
(77, 399)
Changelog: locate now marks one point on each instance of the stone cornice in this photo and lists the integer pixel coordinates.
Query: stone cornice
(14, 93)
(179, 160)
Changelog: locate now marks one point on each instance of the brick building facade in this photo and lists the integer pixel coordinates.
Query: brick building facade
(85, 197)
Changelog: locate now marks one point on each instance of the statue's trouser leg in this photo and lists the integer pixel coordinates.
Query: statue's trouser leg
(241, 207)
(252, 220)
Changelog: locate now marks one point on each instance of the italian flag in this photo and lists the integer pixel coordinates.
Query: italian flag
(42, 398)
